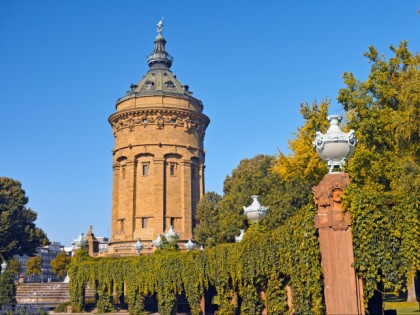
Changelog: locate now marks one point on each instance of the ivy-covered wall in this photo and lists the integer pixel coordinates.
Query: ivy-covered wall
(262, 262)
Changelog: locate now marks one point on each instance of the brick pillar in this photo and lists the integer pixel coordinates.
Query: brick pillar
(342, 289)
(186, 198)
(159, 207)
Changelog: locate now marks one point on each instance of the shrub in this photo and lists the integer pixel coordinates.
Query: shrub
(62, 307)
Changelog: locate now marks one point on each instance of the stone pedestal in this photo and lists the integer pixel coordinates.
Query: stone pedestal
(342, 289)
(92, 242)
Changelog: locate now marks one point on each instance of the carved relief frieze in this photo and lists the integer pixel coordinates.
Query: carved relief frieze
(327, 197)
(328, 191)
(159, 119)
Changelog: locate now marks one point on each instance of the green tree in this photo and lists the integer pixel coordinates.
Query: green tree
(251, 177)
(208, 219)
(383, 197)
(14, 267)
(7, 290)
(302, 168)
(19, 235)
(60, 264)
(34, 266)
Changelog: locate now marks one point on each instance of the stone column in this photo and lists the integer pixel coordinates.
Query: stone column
(201, 179)
(115, 196)
(159, 194)
(342, 289)
(129, 200)
(186, 197)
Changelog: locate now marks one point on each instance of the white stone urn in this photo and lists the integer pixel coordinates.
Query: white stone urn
(240, 237)
(171, 235)
(80, 241)
(67, 278)
(190, 245)
(3, 266)
(158, 241)
(255, 212)
(138, 246)
(335, 146)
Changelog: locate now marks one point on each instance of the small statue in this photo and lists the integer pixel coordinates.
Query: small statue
(159, 121)
(159, 26)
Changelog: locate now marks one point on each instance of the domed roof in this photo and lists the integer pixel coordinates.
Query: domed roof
(159, 80)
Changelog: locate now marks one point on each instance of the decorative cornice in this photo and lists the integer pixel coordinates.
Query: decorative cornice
(130, 119)
(188, 147)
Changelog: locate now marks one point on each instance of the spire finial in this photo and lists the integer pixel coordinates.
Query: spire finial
(159, 26)
(159, 57)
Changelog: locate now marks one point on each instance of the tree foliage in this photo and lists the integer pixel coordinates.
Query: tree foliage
(208, 217)
(14, 266)
(383, 197)
(283, 184)
(251, 177)
(34, 266)
(7, 290)
(302, 168)
(19, 235)
(60, 264)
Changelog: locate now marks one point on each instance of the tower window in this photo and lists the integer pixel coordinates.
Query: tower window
(144, 223)
(149, 85)
(145, 168)
(172, 168)
(169, 84)
(172, 221)
(120, 223)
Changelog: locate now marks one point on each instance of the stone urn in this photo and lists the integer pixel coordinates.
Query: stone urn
(3, 266)
(255, 212)
(190, 245)
(171, 235)
(80, 241)
(138, 246)
(335, 146)
(240, 237)
(67, 278)
(158, 241)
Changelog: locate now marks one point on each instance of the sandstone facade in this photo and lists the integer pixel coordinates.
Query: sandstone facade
(158, 157)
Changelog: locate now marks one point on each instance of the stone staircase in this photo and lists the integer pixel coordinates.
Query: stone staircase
(44, 295)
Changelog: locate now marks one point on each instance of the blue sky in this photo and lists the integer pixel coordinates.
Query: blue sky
(63, 64)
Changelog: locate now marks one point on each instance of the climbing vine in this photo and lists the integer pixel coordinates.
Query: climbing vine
(254, 272)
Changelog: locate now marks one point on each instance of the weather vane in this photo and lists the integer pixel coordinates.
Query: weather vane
(159, 26)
